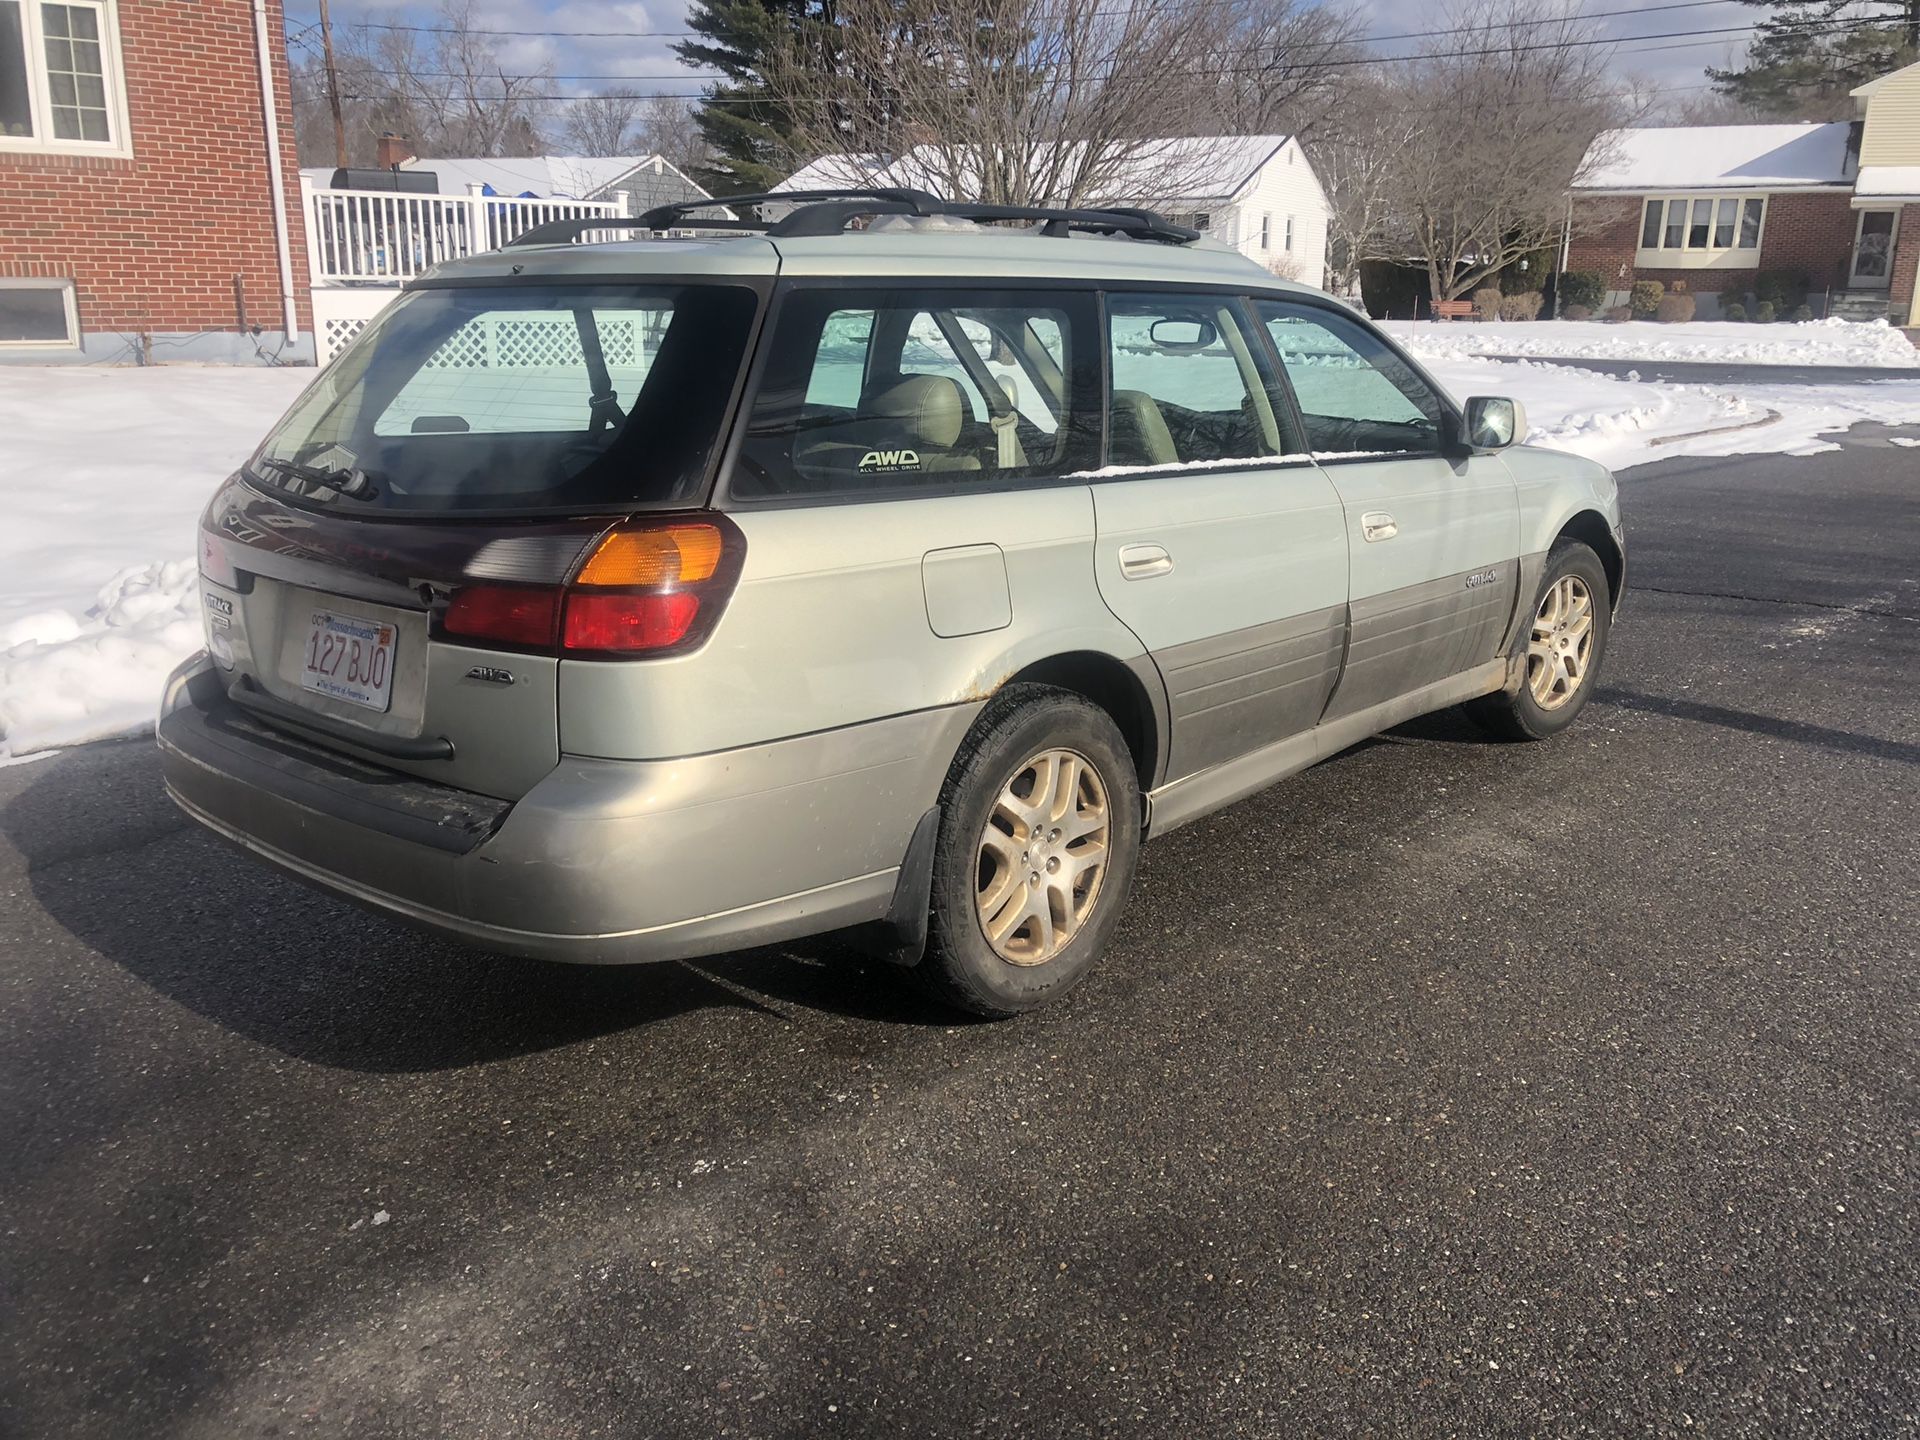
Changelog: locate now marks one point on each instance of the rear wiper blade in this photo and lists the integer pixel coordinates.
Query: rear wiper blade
(353, 483)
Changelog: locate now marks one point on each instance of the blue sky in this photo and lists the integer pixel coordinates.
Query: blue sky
(641, 54)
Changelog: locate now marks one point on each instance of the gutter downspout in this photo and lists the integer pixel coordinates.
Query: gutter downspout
(1566, 252)
(289, 313)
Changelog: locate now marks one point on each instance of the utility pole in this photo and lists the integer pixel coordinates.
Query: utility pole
(333, 89)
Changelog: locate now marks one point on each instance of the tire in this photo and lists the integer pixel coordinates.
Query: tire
(1037, 957)
(1538, 710)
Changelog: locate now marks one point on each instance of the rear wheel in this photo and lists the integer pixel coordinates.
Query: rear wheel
(1565, 645)
(1039, 836)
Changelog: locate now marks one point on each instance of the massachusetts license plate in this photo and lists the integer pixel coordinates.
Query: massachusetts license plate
(349, 659)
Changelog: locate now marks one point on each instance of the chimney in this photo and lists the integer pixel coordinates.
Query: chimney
(392, 151)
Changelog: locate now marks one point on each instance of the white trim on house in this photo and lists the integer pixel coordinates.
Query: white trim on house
(33, 23)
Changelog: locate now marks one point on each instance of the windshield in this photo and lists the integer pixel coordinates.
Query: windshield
(519, 398)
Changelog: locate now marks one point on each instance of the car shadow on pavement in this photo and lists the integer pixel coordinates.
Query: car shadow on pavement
(111, 862)
(1847, 742)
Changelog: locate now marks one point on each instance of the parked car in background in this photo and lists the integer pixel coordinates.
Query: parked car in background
(643, 600)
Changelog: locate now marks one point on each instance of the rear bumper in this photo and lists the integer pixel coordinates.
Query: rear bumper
(603, 861)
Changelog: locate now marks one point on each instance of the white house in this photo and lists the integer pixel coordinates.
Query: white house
(1257, 193)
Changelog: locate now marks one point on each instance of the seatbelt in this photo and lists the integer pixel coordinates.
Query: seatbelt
(603, 405)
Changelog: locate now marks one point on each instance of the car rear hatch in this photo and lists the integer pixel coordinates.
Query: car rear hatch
(388, 575)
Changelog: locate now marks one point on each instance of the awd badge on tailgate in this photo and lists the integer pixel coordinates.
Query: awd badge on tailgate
(492, 674)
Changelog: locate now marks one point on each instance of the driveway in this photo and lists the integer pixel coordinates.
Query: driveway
(1450, 1088)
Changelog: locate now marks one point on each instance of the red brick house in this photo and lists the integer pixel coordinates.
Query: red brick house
(1710, 208)
(149, 193)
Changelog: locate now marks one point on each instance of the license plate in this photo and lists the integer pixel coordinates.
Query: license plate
(349, 659)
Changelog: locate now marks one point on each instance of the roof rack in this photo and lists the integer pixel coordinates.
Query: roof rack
(829, 212)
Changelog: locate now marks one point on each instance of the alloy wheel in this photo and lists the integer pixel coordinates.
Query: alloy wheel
(1042, 857)
(1561, 646)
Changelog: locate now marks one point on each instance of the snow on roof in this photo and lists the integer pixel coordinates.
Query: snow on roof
(1193, 167)
(1889, 182)
(1721, 157)
(572, 177)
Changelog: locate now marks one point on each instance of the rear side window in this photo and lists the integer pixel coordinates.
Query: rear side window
(521, 398)
(1189, 384)
(901, 390)
(1356, 394)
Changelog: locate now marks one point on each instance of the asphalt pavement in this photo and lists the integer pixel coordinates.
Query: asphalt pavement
(1451, 1088)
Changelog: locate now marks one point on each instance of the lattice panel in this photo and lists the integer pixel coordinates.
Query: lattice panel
(334, 335)
(465, 349)
(536, 344)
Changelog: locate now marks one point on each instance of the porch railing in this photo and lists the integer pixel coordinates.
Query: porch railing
(386, 236)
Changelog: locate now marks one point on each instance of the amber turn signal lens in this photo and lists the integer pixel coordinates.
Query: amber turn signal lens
(669, 555)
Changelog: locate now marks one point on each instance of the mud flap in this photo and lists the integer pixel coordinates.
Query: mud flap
(900, 938)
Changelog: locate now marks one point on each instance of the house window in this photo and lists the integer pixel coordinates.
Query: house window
(1683, 230)
(38, 314)
(60, 82)
(1266, 232)
(1289, 232)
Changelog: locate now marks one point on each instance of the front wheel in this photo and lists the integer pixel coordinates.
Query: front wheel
(1039, 836)
(1565, 645)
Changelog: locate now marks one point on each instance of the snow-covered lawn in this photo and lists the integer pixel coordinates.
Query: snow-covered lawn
(1815, 342)
(104, 472)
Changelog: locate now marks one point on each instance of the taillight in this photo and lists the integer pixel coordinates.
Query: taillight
(645, 589)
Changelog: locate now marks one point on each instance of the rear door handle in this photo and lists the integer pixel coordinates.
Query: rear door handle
(1378, 525)
(1143, 562)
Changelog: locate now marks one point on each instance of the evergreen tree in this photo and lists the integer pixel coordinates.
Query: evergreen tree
(1810, 53)
(748, 133)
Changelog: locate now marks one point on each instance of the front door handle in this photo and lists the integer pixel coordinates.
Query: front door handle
(1378, 525)
(1143, 562)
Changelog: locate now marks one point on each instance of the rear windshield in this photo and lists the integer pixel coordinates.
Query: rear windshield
(521, 398)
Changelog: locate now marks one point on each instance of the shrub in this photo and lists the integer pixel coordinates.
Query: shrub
(1801, 312)
(1576, 312)
(1521, 307)
(1763, 313)
(1585, 288)
(1674, 309)
(1528, 272)
(1784, 288)
(1392, 291)
(1486, 301)
(1645, 296)
(1619, 314)
(1733, 310)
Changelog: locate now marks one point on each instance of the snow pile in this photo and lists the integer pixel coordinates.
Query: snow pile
(1814, 342)
(103, 473)
(64, 680)
(1623, 422)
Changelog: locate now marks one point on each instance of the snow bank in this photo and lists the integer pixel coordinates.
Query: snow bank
(1814, 342)
(103, 473)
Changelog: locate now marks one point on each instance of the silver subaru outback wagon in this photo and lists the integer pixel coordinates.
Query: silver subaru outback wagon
(895, 567)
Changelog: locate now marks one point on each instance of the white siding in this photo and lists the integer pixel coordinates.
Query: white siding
(1284, 186)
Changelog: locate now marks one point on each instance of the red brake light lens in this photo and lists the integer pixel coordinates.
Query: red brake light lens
(506, 614)
(599, 620)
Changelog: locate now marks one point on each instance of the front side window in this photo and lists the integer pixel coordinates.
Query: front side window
(904, 390)
(1695, 229)
(531, 398)
(60, 82)
(1187, 387)
(1356, 395)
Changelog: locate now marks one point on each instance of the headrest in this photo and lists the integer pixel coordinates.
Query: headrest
(932, 408)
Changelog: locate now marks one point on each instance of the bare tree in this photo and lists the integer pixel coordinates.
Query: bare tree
(603, 124)
(1046, 101)
(1510, 105)
(447, 90)
(668, 127)
(1357, 158)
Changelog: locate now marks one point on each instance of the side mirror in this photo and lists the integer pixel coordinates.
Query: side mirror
(1494, 422)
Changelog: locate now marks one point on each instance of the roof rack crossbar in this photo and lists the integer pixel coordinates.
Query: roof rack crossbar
(829, 212)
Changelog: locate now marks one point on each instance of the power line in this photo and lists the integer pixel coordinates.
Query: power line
(1121, 10)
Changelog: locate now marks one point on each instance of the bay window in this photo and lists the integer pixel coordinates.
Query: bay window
(1683, 231)
(61, 87)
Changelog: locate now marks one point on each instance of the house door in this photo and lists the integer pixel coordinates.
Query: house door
(1873, 249)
